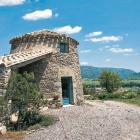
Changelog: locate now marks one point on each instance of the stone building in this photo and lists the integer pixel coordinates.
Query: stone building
(54, 60)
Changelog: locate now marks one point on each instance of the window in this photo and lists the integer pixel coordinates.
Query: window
(64, 48)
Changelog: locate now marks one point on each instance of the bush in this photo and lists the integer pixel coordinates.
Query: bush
(125, 95)
(44, 121)
(129, 95)
(105, 96)
(138, 92)
(1, 100)
(102, 96)
(110, 81)
(3, 109)
(47, 120)
(34, 127)
(131, 83)
(25, 99)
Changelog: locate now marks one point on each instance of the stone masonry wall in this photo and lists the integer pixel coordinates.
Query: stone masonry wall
(48, 71)
(4, 79)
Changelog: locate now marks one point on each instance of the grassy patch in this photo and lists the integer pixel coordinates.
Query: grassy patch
(48, 120)
(135, 101)
(89, 83)
(127, 97)
(124, 95)
(19, 135)
(45, 121)
(13, 136)
(132, 96)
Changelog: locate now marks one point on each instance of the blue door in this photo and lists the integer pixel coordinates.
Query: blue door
(67, 90)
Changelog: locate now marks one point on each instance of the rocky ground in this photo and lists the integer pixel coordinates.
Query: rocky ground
(98, 121)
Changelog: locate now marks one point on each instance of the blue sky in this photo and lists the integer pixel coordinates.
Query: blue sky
(108, 30)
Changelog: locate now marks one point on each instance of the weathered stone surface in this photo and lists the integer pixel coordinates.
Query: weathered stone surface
(4, 78)
(14, 117)
(3, 129)
(49, 69)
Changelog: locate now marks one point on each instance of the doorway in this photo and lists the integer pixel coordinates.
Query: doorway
(67, 90)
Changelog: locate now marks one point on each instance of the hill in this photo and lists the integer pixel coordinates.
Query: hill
(91, 72)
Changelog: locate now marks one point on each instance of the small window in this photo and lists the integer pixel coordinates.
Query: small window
(64, 48)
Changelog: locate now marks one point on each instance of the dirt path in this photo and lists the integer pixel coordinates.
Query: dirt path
(99, 121)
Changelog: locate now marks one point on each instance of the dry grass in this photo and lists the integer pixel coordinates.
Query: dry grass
(12, 136)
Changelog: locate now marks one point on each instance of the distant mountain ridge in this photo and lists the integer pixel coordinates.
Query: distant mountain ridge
(91, 72)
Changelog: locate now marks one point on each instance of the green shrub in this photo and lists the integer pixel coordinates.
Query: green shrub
(89, 91)
(25, 98)
(105, 96)
(102, 96)
(47, 120)
(138, 92)
(3, 109)
(34, 127)
(111, 81)
(131, 83)
(124, 95)
(1, 100)
(129, 95)
(44, 121)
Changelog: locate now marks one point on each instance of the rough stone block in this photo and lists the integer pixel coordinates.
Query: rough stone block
(3, 130)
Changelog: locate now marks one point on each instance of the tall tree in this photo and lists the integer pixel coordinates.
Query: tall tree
(111, 81)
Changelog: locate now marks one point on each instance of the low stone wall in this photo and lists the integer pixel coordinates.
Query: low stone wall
(4, 79)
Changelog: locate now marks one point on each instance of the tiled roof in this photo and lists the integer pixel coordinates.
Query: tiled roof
(23, 57)
(44, 32)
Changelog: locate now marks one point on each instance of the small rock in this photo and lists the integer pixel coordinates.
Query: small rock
(50, 99)
(3, 130)
(14, 117)
(44, 109)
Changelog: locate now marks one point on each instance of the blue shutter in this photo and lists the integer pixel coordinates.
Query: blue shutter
(64, 48)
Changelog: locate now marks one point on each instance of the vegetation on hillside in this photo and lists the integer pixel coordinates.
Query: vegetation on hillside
(125, 83)
(128, 92)
(90, 72)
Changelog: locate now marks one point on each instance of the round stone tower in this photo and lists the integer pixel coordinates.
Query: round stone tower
(56, 73)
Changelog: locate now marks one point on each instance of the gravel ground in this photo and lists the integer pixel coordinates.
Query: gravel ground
(98, 121)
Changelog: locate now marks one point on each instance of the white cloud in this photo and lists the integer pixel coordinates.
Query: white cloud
(108, 60)
(85, 51)
(107, 47)
(94, 37)
(121, 50)
(39, 14)
(68, 29)
(84, 63)
(93, 34)
(133, 54)
(105, 39)
(118, 49)
(11, 2)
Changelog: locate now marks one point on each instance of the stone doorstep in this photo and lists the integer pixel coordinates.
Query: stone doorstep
(68, 105)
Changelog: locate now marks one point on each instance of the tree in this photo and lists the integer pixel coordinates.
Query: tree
(25, 99)
(111, 81)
